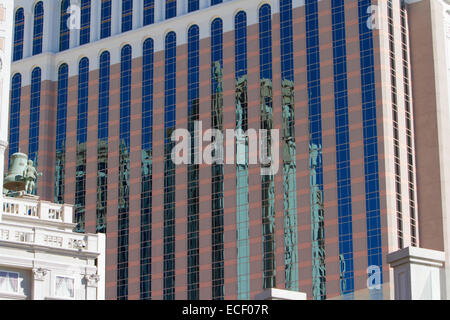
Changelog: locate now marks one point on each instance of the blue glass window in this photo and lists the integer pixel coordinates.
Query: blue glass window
(82, 122)
(217, 168)
(289, 148)
(38, 28)
(105, 24)
(193, 277)
(266, 123)
(14, 117)
(127, 15)
(35, 111)
(344, 190)
(61, 130)
(315, 146)
(213, 2)
(103, 144)
(242, 174)
(124, 174)
(169, 167)
(171, 8)
(85, 27)
(193, 5)
(19, 22)
(149, 12)
(371, 168)
(64, 32)
(147, 169)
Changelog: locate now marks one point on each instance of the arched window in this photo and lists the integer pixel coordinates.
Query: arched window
(14, 118)
(103, 141)
(217, 169)
(170, 90)
(38, 27)
(61, 130)
(124, 173)
(19, 24)
(105, 24)
(85, 23)
(82, 122)
(127, 15)
(193, 277)
(64, 32)
(35, 111)
(146, 169)
(267, 181)
(149, 12)
(242, 174)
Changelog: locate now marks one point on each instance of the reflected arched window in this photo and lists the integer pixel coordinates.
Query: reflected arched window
(61, 130)
(64, 32)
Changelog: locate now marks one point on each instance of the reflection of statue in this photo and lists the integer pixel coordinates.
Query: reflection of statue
(217, 96)
(317, 224)
(30, 175)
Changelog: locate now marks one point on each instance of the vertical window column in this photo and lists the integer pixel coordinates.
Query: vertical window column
(343, 173)
(124, 174)
(193, 5)
(171, 8)
(149, 12)
(242, 156)
(193, 277)
(266, 123)
(19, 27)
(61, 131)
(371, 167)
(64, 32)
(35, 111)
(14, 118)
(127, 15)
(289, 147)
(169, 167)
(38, 28)
(315, 151)
(147, 169)
(82, 121)
(217, 204)
(105, 23)
(103, 142)
(85, 27)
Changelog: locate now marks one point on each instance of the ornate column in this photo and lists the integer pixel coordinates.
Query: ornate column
(39, 277)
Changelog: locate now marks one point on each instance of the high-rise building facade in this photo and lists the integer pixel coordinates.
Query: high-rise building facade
(101, 86)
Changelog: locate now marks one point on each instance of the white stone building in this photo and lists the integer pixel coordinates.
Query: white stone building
(41, 258)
